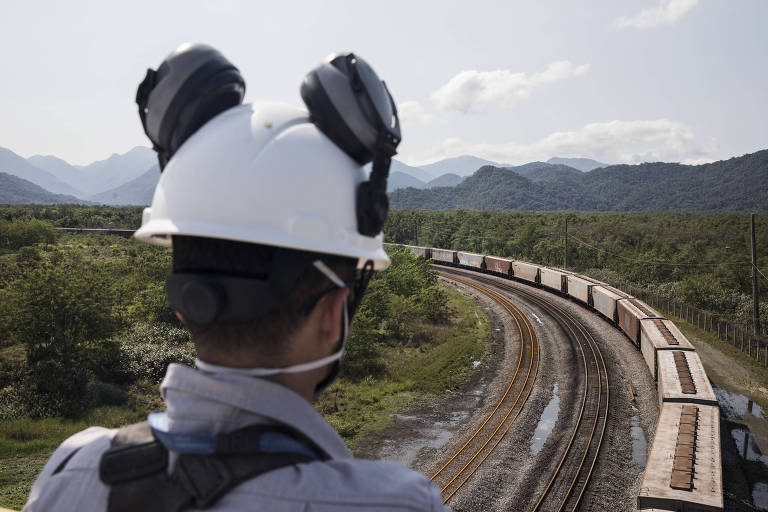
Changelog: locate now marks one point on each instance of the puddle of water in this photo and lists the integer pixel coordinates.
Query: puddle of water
(639, 443)
(546, 422)
(736, 406)
(749, 450)
(747, 446)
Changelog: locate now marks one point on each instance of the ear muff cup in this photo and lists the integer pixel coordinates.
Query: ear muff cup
(324, 115)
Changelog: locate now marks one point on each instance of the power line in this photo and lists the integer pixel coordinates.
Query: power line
(658, 262)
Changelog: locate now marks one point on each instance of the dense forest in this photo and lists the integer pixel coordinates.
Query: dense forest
(702, 259)
(737, 184)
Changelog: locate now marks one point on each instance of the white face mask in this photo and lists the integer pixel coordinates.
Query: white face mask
(297, 368)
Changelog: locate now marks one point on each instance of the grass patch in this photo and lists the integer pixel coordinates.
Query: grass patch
(441, 361)
(26, 444)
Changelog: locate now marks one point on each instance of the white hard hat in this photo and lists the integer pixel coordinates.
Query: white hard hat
(263, 173)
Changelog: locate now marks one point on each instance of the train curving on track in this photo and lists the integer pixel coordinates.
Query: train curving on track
(684, 470)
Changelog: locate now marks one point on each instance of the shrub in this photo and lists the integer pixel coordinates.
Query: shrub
(147, 349)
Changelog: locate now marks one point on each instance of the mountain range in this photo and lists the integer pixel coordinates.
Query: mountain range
(464, 182)
(737, 184)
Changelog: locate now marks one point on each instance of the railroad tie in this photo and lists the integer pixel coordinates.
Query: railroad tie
(685, 449)
(684, 373)
(666, 333)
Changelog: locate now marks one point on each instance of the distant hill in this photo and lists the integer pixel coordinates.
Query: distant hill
(416, 172)
(737, 184)
(582, 164)
(138, 191)
(399, 179)
(462, 165)
(15, 190)
(102, 175)
(446, 180)
(11, 163)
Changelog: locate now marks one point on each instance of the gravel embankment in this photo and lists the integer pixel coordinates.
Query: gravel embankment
(512, 478)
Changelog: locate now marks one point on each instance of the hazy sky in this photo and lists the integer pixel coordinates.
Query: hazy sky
(511, 81)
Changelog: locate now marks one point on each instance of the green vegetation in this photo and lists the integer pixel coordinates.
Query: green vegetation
(737, 184)
(86, 335)
(76, 216)
(701, 259)
(435, 358)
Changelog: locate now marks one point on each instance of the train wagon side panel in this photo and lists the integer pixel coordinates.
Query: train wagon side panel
(604, 300)
(470, 260)
(445, 256)
(579, 288)
(526, 271)
(553, 278)
(498, 266)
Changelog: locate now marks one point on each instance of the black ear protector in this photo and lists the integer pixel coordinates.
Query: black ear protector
(352, 107)
(191, 86)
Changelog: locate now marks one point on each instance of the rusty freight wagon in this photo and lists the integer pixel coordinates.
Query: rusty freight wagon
(526, 271)
(499, 266)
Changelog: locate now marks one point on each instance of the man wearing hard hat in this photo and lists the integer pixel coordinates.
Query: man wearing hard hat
(276, 230)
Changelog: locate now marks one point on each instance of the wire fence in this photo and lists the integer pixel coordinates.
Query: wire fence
(736, 334)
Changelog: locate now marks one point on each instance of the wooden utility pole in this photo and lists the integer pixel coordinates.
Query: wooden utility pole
(754, 278)
(565, 250)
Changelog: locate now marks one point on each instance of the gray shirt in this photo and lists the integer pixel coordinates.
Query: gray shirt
(203, 403)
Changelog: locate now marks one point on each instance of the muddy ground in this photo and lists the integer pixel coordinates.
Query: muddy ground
(425, 436)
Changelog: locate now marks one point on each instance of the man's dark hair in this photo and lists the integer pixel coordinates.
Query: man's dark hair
(241, 259)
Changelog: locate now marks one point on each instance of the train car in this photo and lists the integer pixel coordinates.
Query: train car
(526, 272)
(580, 288)
(684, 469)
(554, 279)
(657, 334)
(471, 260)
(425, 252)
(629, 313)
(681, 378)
(604, 300)
(498, 266)
(445, 256)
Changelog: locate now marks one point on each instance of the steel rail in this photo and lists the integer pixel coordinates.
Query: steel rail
(599, 379)
(527, 384)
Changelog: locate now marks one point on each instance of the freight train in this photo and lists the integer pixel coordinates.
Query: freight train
(684, 469)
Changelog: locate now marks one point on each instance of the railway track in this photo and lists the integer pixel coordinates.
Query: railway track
(567, 484)
(460, 467)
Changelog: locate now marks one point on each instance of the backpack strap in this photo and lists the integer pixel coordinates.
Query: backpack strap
(135, 467)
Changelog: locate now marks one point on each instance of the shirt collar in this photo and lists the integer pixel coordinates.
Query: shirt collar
(220, 402)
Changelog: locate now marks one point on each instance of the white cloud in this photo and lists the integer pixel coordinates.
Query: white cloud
(413, 112)
(666, 12)
(472, 88)
(610, 142)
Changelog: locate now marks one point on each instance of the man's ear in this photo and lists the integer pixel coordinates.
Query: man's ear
(180, 317)
(329, 310)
